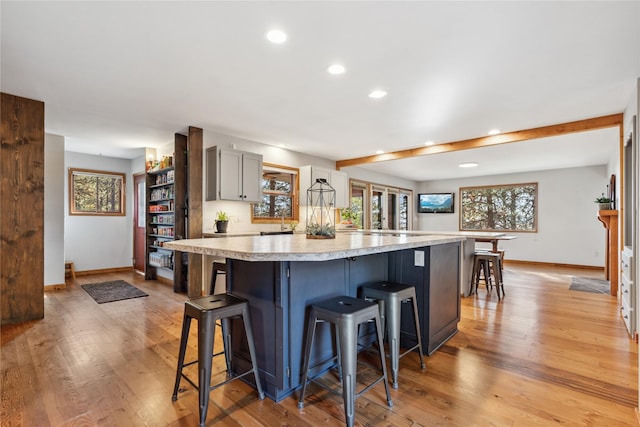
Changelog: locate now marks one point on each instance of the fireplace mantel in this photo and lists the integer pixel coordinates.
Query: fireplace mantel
(609, 218)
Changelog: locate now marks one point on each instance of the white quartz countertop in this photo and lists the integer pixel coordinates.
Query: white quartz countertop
(296, 247)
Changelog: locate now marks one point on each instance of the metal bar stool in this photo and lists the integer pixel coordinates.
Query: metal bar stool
(216, 268)
(390, 296)
(345, 314)
(488, 263)
(207, 311)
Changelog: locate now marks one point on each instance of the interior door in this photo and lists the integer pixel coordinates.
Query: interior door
(139, 222)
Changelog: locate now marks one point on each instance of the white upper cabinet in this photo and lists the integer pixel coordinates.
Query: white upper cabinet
(233, 175)
(337, 179)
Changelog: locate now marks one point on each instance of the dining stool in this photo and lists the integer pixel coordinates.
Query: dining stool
(68, 269)
(345, 314)
(390, 297)
(489, 264)
(207, 310)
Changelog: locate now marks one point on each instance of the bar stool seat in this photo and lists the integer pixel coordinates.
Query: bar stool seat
(207, 311)
(490, 265)
(390, 296)
(345, 314)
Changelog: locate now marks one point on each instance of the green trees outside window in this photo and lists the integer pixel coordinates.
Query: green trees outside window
(499, 208)
(96, 192)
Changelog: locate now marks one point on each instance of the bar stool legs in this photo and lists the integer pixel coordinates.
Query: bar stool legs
(390, 297)
(207, 311)
(345, 313)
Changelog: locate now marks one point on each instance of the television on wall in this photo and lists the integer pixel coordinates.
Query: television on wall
(436, 202)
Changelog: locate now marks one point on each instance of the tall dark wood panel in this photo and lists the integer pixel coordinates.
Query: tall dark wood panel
(194, 211)
(21, 209)
(182, 171)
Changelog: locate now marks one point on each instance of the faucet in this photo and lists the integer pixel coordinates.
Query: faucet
(282, 220)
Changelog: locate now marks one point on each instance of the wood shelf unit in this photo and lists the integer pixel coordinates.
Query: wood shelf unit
(166, 218)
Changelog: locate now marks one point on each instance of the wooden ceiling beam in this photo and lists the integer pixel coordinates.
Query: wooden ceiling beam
(486, 141)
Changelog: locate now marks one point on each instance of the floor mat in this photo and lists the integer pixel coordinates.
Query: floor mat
(116, 290)
(588, 284)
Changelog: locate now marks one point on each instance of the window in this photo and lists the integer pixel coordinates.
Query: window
(96, 192)
(279, 185)
(504, 208)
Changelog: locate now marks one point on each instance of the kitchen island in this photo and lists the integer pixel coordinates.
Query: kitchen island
(282, 275)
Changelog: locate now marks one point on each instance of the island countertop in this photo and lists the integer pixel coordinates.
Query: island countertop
(297, 247)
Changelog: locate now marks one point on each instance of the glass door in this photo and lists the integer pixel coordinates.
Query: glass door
(358, 191)
(404, 209)
(378, 207)
(378, 214)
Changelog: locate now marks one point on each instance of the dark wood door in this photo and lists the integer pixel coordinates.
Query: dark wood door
(139, 221)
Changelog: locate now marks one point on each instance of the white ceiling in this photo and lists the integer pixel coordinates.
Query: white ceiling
(120, 76)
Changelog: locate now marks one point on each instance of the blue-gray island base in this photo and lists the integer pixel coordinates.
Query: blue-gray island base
(280, 292)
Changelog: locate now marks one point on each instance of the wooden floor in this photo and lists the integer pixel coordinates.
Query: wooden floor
(544, 355)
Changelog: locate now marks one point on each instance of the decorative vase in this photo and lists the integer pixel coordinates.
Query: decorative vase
(321, 199)
(221, 226)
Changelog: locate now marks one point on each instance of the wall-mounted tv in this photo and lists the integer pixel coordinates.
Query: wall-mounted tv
(436, 202)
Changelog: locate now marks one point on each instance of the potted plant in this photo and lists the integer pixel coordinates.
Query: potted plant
(222, 220)
(317, 231)
(350, 216)
(604, 203)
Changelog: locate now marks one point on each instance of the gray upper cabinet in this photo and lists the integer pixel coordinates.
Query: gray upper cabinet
(233, 175)
(337, 179)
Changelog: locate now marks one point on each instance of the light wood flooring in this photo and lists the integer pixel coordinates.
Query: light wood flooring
(545, 355)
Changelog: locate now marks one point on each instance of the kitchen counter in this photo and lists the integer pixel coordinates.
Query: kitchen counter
(282, 275)
(297, 247)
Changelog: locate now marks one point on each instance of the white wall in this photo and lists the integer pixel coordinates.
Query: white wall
(99, 242)
(568, 229)
(53, 210)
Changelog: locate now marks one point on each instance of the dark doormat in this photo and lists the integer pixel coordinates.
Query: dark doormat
(588, 284)
(116, 290)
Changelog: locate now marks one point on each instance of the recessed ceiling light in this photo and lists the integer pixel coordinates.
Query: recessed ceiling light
(494, 131)
(380, 152)
(427, 143)
(468, 165)
(277, 36)
(378, 93)
(336, 69)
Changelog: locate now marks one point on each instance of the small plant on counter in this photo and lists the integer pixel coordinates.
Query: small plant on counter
(293, 225)
(222, 220)
(350, 216)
